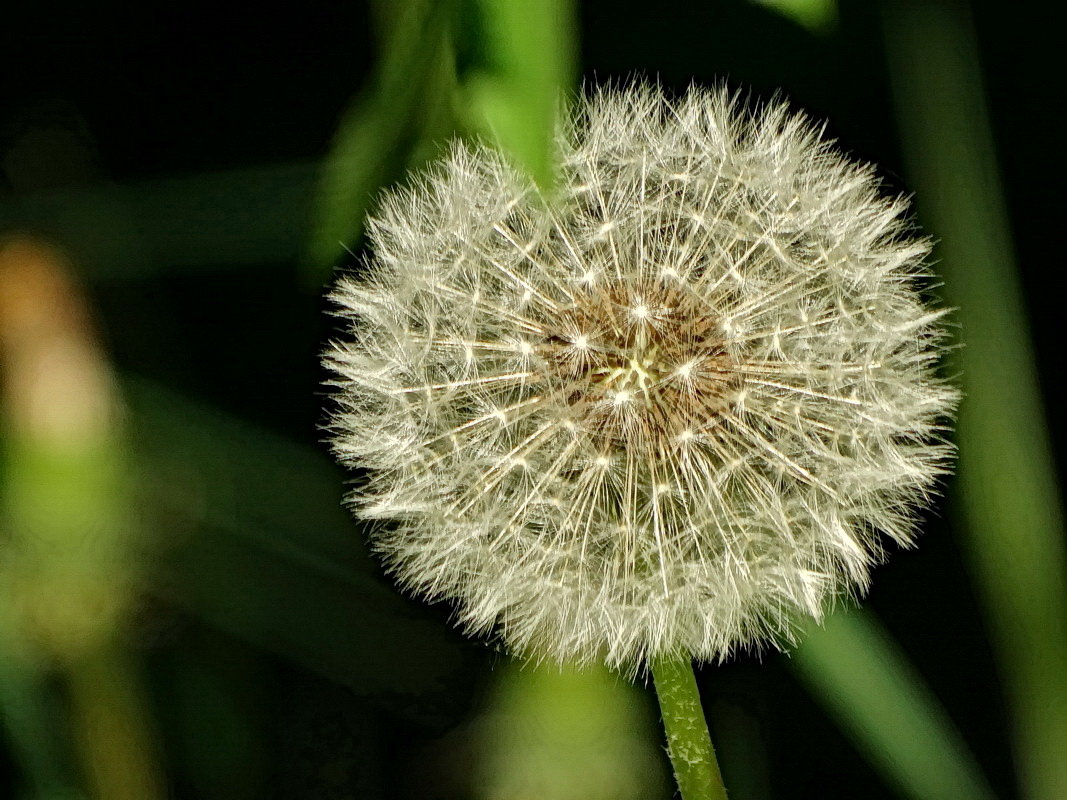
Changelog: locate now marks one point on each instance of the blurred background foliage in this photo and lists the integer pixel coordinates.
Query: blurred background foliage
(187, 611)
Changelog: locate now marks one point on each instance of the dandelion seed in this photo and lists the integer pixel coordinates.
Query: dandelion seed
(692, 392)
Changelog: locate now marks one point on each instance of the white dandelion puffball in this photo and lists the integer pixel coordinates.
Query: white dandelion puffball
(670, 408)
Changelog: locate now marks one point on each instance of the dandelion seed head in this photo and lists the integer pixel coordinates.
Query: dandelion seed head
(671, 409)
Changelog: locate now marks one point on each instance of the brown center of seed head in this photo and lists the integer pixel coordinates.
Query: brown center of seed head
(640, 364)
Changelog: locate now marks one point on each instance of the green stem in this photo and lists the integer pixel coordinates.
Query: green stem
(695, 768)
(112, 728)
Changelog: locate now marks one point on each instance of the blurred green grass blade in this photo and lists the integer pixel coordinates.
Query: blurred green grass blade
(32, 721)
(408, 101)
(263, 550)
(1007, 488)
(555, 734)
(111, 723)
(225, 690)
(204, 221)
(521, 67)
(818, 16)
(857, 671)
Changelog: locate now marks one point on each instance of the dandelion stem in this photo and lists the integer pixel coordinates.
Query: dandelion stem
(692, 755)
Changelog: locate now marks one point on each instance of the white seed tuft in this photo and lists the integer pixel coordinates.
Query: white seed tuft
(669, 410)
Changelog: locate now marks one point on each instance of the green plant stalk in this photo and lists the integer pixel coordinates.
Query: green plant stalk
(111, 727)
(1007, 487)
(28, 718)
(696, 769)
